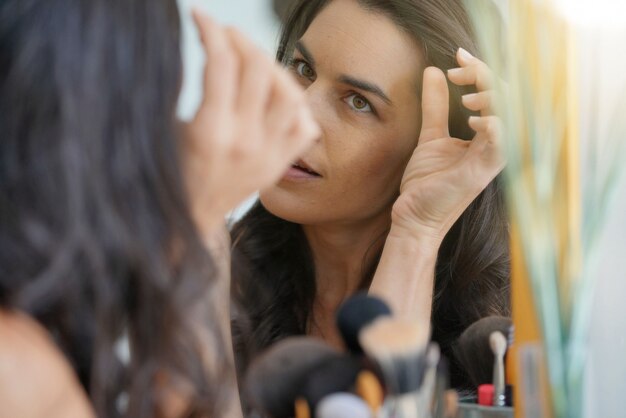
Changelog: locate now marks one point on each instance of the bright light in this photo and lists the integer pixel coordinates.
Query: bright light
(599, 13)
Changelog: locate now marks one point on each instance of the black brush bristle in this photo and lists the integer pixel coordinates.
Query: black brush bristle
(356, 313)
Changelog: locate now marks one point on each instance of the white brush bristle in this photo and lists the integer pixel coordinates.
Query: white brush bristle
(342, 405)
(497, 341)
(393, 336)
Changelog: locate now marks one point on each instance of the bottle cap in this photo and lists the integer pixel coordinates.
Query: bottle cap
(485, 395)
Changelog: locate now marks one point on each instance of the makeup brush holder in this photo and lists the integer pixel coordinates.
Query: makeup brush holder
(467, 410)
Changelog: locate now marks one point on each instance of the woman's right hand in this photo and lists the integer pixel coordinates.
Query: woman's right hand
(252, 124)
(445, 174)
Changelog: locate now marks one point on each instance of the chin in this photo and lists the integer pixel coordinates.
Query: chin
(289, 205)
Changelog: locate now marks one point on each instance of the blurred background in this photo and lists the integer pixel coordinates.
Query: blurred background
(606, 367)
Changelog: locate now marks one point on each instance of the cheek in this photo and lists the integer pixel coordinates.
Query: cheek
(373, 165)
(365, 169)
(369, 175)
(371, 151)
(375, 152)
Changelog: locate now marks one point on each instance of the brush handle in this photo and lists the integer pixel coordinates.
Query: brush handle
(414, 404)
(498, 381)
(407, 406)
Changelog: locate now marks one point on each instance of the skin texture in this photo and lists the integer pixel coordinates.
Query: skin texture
(361, 155)
(383, 172)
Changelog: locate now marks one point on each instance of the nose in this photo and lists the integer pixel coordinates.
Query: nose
(320, 109)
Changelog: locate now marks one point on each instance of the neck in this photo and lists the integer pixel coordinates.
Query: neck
(342, 253)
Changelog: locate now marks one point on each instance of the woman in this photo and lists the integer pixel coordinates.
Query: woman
(110, 302)
(398, 196)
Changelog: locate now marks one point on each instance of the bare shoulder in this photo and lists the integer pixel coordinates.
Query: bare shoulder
(35, 378)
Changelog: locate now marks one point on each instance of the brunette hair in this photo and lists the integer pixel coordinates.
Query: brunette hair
(96, 239)
(273, 271)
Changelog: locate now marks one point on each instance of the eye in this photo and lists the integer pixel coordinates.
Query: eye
(303, 69)
(359, 103)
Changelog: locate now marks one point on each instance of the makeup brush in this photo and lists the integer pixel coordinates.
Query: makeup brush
(370, 389)
(399, 348)
(332, 376)
(497, 341)
(473, 351)
(426, 396)
(441, 386)
(302, 408)
(452, 404)
(356, 313)
(343, 405)
(276, 378)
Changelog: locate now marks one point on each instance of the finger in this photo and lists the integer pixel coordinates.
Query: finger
(255, 78)
(285, 101)
(290, 117)
(435, 105)
(479, 102)
(477, 73)
(484, 159)
(299, 138)
(486, 150)
(220, 69)
(465, 58)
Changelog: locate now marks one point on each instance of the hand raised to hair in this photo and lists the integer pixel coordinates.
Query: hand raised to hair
(252, 124)
(445, 174)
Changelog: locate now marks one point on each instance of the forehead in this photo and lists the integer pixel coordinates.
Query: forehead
(349, 39)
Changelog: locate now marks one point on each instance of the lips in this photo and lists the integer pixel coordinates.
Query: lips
(303, 166)
(301, 172)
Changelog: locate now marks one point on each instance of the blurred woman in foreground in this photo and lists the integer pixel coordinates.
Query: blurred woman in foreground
(113, 289)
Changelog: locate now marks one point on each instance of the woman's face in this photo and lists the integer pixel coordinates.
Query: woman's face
(362, 74)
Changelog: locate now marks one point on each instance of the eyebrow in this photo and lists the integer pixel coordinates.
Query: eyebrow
(305, 53)
(346, 79)
(367, 86)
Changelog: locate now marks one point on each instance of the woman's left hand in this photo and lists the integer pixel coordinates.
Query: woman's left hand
(445, 174)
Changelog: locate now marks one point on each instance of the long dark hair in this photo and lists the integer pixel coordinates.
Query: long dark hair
(96, 240)
(273, 268)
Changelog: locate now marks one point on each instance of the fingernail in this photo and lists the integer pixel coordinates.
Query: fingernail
(469, 97)
(455, 71)
(473, 119)
(465, 55)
